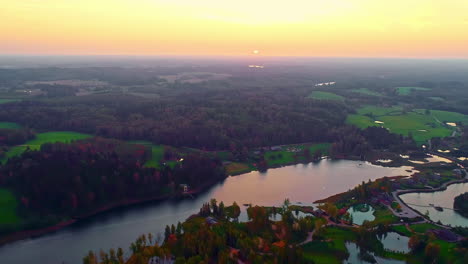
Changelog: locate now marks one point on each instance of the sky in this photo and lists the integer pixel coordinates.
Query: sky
(319, 28)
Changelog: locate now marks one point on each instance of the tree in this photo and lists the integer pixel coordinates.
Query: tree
(432, 251)
(235, 211)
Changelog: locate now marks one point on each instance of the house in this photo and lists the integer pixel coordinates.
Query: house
(211, 221)
(184, 187)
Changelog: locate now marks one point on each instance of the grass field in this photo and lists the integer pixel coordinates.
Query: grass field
(366, 91)
(287, 156)
(422, 126)
(436, 98)
(8, 205)
(409, 90)
(42, 138)
(9, 125)
(4, 101)
(157, 153)
(319, 95)
(422, 228)
(236, 168)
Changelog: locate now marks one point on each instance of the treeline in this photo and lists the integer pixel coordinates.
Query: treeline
(201, 118)
(214, 238)
(68, 180)
(10, 137)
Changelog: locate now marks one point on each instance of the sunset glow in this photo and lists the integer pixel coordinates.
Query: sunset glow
(349, 28)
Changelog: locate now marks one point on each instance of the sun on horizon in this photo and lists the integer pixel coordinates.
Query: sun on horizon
(338, 28)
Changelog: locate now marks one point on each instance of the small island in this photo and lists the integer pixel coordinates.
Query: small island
(460, 204)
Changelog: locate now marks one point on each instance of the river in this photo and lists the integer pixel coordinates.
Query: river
(422, 202)
(303, 183)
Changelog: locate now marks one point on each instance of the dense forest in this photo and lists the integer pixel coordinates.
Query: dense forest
(70, 180)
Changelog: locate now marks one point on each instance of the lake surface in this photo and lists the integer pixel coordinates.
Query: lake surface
(304, 183)
(422, 201)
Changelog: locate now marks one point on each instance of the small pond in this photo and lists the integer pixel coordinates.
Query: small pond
(361, 213)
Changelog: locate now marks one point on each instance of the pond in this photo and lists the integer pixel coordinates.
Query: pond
(423, 202)
(361, 213)
(354, 258)
(118, 228)
(395, 242)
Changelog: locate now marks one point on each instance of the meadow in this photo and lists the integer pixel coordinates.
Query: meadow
(157, 153)
(42, 138)
(319, 95)
(420, 124)
(294, 153)
(8, 204)
(4, 101)
(366, 91)
(409, 90)
(9, 125)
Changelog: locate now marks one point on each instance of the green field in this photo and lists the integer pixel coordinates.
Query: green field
(293, 153)
(9, 125)
(42, 138)
(8, 204)
(319, 95)
(366, 91)
(423, 228)
(436, 98)
(420, 125)
(157, 153)
(4, 101)
(409, 90)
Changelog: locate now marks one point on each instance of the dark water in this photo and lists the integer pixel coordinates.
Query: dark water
(118, 228)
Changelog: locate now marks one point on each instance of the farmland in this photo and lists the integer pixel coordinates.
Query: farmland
(420, 124)
(42, 138)
(319, 95)
(409, 90)
(365, 91)
(9, 125)
(157, 153)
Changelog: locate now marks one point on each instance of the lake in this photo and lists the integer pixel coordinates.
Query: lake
(422, 201)
(304, 183)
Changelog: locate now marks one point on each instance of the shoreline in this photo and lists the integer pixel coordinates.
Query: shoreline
(25, 234)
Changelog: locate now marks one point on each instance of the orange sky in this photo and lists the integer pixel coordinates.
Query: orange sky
(349, 28)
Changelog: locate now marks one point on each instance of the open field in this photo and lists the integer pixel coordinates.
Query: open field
(294, 153)
(4, 101)
(366, 91)
(8, 205)
(236, 168)
(418, 123)
(319, 95)
(409, 90)
(42, 138)
(157, 153)
(9, 125)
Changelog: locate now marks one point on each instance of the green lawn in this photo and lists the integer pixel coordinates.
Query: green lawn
(157, 153)
(436, 98)
(4, 101)
(422, 126)
(42, 138)
(409, 90)
(401, 229)
(422, 228)
(366, 91)
(319, 95)
(9, 125)
(8, 204)
(384, 216)
(283, 157)
(322, 252)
